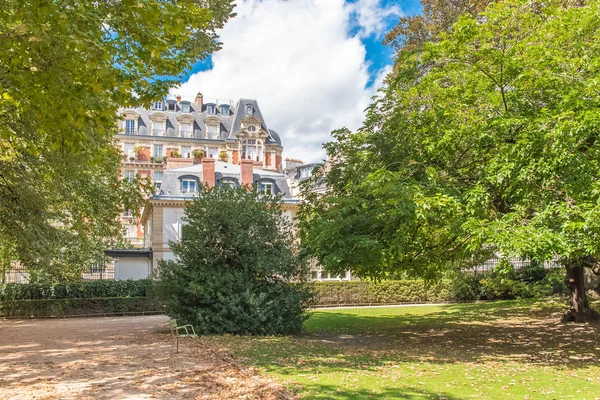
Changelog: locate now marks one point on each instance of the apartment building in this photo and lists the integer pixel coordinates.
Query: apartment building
(177, 133)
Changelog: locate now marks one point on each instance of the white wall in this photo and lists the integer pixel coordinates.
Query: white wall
(132, 268)
(172, 224)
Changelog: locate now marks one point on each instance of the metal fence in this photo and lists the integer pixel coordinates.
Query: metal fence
(517, 263)
(20, 274)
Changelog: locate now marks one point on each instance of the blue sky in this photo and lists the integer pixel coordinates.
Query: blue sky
(313, 65)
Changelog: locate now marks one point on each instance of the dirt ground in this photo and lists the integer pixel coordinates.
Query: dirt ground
(116, 358)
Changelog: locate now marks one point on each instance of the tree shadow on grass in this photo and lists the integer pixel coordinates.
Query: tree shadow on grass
(321, 391)
(523, 332)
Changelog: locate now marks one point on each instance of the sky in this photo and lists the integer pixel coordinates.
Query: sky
(312, 65)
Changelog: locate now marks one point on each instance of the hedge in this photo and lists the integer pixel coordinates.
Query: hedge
(75, 290)
(385, 292)
(79, 307)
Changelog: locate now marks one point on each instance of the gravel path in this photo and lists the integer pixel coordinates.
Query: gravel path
(114, 358)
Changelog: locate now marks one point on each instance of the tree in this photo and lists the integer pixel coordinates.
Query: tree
(65, 68)
(493, 148)
(437, 16)
(234, 266)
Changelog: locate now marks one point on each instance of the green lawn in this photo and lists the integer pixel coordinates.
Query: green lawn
(501, 350)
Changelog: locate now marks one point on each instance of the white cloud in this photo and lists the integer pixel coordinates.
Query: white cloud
(297, 58)
(372, 17)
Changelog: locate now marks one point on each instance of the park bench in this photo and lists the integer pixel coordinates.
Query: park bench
(177, 332)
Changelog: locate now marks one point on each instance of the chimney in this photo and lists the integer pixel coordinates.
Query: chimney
(178, 98)
(199, 102)
(247, 172)
(208, 172)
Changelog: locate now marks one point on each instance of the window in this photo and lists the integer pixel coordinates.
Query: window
(264, 187)
(210, 108)
(189, 186)
(157, 151)
(212, 131)
(158, 128)
(231, 182)
(213, 152)
(128, 150)
(225, 110)
(157, 105)
(171, 106)
(158, 177)
(252, 149)
(129, 175)
(249, 109)
(185, 107)
(128, 213)
(186, 152)
(251, 128)
(186, 130)
(130, 126)
(314, 275)
(305, 172)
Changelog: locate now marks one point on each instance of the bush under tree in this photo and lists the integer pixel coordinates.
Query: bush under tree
(234, 267)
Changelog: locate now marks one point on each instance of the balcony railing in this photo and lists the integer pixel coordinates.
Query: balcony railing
(158, 132)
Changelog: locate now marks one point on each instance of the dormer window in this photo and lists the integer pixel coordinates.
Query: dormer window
(252, 128)
(211, 109)
(185, 108)
(157, 105)
(171, 105)
(225, 110)
(158, 128)
(252, 150)
(130, 126)
(212, 132)
(265, 187)
(249, 109)
(186, 130)
(231, 182)
(189, 186)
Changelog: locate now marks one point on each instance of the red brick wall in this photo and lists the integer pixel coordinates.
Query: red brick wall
(268, 159)
(278, 163)
(144, 154)
(236, 157)
(208, 172)
(179, 162)
(247, 169)
(144, 173)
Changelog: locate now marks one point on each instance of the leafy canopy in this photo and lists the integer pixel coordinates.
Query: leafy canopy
(65, 68)
(234, 265)
(493, 147)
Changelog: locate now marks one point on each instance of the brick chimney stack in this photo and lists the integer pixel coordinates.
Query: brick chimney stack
(208, 172)
(247, 172)
(178, 98)
(199, 102)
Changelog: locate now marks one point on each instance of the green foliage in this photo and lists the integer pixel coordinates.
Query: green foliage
(384, 292)
(456, 287)
(72, 290)
(65, 68)
(465, 287)
(503, 288)
(234, 264)
(79, 307)
(485, 141)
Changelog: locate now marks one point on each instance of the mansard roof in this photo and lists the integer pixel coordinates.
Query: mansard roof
(171, 187)
(230, 124)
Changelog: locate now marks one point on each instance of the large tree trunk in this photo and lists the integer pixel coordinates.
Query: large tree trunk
(580, 310)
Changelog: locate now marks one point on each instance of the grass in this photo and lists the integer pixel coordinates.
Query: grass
(510, 349)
